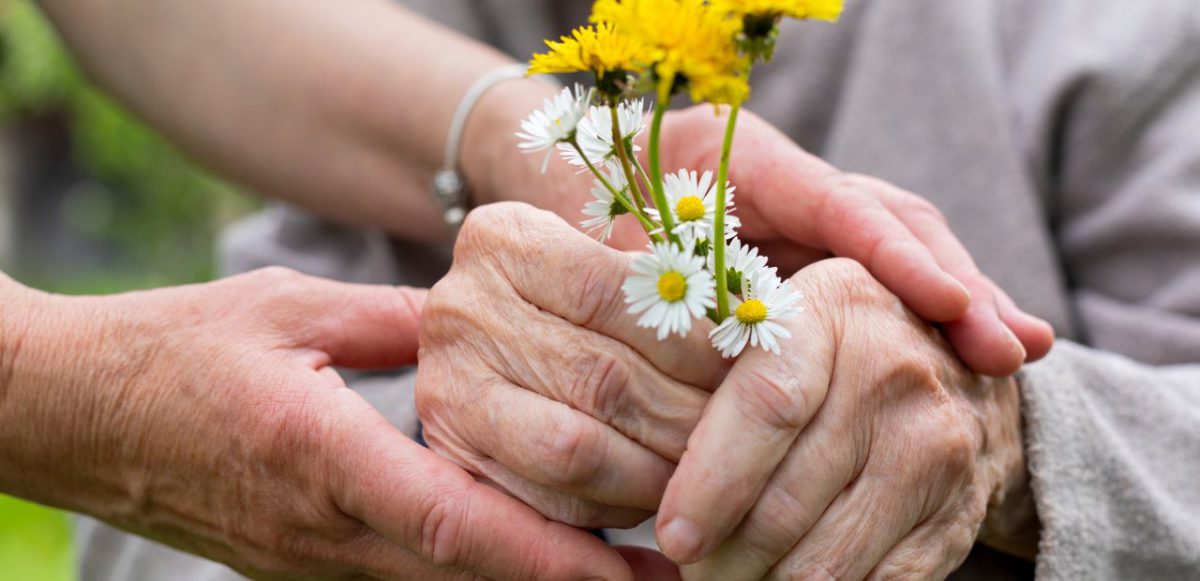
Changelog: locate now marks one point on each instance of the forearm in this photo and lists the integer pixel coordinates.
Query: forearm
(342, 108)
(62, 370)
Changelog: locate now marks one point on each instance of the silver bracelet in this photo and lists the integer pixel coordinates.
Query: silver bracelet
(450, 188)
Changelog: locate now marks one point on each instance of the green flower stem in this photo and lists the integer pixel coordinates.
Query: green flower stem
(718, 234)
(635, 188)
(647, 225)
(641, 171)
(656, 181)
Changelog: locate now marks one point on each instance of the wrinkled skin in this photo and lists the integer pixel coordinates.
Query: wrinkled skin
(798, 209)
(535, 378)
(866, 450)
(209, 418)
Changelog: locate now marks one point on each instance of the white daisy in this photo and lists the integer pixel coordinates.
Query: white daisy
(556, 122)
(605, 209)
(755, 320)
(594, 134)
(742, 262)
(671, 287)
(692, 199)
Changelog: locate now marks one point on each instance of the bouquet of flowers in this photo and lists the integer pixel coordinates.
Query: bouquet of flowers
(696, 265)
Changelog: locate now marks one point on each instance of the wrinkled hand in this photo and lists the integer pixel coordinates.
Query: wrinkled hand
(865, 450)
(534, 376)
(210, 418)
(798, 209)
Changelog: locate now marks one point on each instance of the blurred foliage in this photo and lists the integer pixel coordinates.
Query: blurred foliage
(35, 543)
(156, 206)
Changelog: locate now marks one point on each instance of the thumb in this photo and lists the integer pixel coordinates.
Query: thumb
(436, 510)
(366, 326)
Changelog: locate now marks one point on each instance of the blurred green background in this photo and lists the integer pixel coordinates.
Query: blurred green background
(91, 202)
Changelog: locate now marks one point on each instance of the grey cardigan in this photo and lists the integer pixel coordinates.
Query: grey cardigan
(1062, 141)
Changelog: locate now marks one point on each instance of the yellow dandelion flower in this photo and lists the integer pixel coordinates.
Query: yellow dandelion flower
(687, 38)
(732, 89)
(828, 10)
(595, 49)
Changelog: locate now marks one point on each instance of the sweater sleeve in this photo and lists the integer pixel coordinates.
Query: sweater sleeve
(1113, 421)
(1114, 450)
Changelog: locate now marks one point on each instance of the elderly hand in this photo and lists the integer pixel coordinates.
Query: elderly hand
(798, 209)
(534, 376)
(864, 450)
(210, 418)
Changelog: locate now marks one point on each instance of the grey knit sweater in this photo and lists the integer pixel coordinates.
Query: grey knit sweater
(1061, 139)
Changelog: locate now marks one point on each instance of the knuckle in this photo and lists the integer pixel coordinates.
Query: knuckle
(483, 229)
(911, 373)
(904, 569)
(277, 274)
(917, 207)
(599, 384)
(495, 225)
(577, 513)
(776, 529)
(844, 273)
(958, 445)
(810, 571)
(484, 222)
(451, 312)
(961, 537)
(443, 527)
(775, 397)
(572, 457)
(598, 295)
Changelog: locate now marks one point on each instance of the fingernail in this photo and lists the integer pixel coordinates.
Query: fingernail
(1012, 337)
(965, 291)
(681, 540)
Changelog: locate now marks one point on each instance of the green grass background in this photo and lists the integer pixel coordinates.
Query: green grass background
(35, 543)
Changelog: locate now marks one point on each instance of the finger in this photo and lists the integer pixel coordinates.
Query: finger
(986, 341)
(562, 271)
(854, 534)
(549, 443)
(602, 378)
(649, 565)
(750, 423)
(380, 558)
(436, 510)
(982, 340)
(357, 326)
(552, 503)
(821, 208)
(1036, 334)
(933, 550)
(823, 461)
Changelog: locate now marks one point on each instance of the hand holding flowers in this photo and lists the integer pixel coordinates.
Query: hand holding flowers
(795, 207)
(664, 47)
(579, 414)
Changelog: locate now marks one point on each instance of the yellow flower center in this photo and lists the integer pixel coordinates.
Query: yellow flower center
(689, 209)
(750, 312)
(672, 286)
